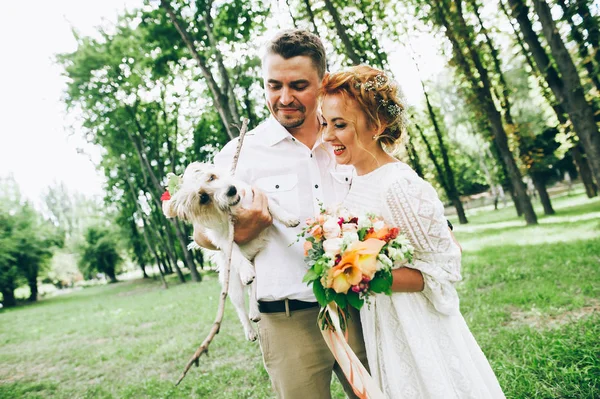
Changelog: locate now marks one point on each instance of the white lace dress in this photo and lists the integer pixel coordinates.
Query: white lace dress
(418, 344)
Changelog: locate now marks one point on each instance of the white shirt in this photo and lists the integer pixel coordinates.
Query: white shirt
(298, 178)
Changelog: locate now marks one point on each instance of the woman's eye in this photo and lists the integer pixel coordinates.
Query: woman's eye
(340, 125)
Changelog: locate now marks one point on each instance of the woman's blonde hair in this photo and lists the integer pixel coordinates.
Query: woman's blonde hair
(377, 95)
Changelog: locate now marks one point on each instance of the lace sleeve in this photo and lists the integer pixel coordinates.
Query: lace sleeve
(413, 205)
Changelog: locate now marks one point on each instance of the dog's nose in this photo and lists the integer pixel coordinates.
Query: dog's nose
(231, 191)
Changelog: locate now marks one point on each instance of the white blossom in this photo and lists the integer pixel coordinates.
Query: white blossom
(331, 228)
(332, 246)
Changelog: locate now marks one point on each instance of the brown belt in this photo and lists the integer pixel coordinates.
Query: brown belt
(279, 306)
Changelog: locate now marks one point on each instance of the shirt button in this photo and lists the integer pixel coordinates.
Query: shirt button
(346, 179)
(311, 155)
(277, 186)
(293, 139)
(316, 186)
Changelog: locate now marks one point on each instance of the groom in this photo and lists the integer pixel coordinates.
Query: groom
(285, 159)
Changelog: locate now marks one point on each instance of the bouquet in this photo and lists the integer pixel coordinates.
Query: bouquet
(351, 258)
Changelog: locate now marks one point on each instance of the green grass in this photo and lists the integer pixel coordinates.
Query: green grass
(530, 295)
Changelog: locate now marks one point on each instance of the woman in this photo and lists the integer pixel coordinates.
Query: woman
(418, 344)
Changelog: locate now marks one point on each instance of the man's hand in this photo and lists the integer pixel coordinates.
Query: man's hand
(251, 221)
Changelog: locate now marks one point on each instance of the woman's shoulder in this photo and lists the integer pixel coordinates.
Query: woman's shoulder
(402, 177)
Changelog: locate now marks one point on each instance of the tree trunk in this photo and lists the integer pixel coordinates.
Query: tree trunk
(226, 85)
(371, 40)
(414, 156)
(449, 175)
(156, 257)
(155, 190)
(582, 49)
(341, 31)
(482, 88)
(33, 288)
(540, 185)
(311, 17)
(568, 90)
(221, 100)
(585, 173)
(590, 23)
(9, 300)
(504, 97)
(111, 275)
(451, 194)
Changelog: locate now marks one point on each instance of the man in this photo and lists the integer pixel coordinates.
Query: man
(286, 160)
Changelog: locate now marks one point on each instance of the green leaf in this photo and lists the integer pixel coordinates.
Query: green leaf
(354, 300)
(341, 301)
(310, 276)
(380, 285)
(320, 293)
(362, 233)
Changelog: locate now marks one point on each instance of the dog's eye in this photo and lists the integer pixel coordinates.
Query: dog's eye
(212, 177)
(204, 198)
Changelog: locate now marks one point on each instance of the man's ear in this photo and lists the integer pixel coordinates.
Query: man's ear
(169, 209)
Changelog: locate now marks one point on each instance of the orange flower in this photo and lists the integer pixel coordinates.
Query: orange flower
(367, 252)
(345, 274)
(307, 246)
(379, 234)
(316, 232)
(359, 259)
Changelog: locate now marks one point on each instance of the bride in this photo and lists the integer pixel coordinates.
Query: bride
(418, 344)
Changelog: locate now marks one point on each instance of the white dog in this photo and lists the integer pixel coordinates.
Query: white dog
(206, 198)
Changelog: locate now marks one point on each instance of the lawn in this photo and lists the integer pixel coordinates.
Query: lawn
(530, 295)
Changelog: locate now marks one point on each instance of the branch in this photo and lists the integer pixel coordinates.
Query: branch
(225, 288)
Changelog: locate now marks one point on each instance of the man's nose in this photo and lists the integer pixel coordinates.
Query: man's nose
(286, 97)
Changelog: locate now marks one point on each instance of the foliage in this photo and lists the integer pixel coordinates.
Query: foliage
(541, 341)
(27, 242)
(100, 253)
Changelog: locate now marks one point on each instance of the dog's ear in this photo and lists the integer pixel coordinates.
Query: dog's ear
(169, 209)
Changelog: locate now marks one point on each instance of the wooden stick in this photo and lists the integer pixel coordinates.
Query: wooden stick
(222, 300)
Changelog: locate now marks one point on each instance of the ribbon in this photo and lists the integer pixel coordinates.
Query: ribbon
(359, 378)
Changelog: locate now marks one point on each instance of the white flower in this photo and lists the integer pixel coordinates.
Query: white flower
(395, 253)
(383, 262)
(331, 228)
(343, 213)
(349, 238)
(349, 227)
(332, 246)
(364, 222)
(402, 241)
(378, 225)
(330, 260)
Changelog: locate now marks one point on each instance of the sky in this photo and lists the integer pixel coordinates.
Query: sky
(36, 144)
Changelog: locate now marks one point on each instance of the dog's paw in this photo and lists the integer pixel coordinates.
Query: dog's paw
(291, 222)
(247, 275)
(255, 316)
(251, 335)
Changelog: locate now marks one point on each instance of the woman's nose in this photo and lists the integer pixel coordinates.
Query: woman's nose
(327, 136)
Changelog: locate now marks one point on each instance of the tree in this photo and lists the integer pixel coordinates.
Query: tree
(100, 253)
(460, 35)
(566, 88)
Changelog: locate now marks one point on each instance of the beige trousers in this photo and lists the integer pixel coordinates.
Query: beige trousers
(297, 358)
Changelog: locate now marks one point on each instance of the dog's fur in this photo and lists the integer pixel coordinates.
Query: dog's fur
(206, 198)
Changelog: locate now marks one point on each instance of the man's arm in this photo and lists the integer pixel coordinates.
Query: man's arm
(250, 222)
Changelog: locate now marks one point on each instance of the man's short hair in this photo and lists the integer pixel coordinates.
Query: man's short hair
(296, 42)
